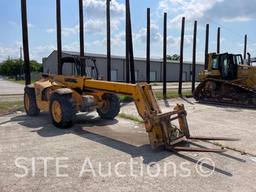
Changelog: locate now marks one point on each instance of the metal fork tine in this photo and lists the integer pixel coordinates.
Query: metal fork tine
(191, 149)
(213, 138)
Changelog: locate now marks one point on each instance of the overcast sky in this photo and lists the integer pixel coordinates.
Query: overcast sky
(235, 17)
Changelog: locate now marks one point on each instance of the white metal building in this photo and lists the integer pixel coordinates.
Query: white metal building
(118, 71)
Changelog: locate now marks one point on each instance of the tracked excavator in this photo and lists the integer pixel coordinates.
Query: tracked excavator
(227, 81)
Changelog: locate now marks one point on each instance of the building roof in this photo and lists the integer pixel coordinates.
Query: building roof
(73, 53)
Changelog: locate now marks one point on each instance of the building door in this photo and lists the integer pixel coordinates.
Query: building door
(153, 76)
(184, 76)
(88, 72)
(136, 76)
(113, 75)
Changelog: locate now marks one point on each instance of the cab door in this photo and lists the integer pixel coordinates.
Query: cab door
(228, 67)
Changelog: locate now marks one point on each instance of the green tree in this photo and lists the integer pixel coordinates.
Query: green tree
(174, 57)
(14, 67)
(35, 66)
(11, 67)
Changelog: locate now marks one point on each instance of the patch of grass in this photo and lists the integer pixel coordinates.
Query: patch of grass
(7, 107)
(159, 95)
(22, 82)
(171, 95)
(125, 98)
(130, 117)
(230, 148)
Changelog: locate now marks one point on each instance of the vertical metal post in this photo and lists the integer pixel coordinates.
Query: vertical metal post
(81, 19)
(206, 47)
(25, 42)
(148, 46)
(59, 43)
(194, 57)
(130, 41)
(245, 46)
(127, 61)
(181, 55)
(218, 41)
(108, 41)
(21, 67)
(127, 47)
(165, 55)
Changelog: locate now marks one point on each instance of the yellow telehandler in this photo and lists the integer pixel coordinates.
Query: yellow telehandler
(64, 96)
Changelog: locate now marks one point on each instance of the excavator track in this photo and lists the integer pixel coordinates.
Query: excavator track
(227, 93)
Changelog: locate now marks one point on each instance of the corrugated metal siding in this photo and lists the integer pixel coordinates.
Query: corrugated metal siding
(118, 64)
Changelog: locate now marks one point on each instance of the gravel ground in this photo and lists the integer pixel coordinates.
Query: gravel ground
(86, 152)
(9, 87)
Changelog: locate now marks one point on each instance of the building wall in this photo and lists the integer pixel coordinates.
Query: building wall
(118, 68)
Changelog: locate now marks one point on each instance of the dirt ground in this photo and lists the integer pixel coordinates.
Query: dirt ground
(98, 155)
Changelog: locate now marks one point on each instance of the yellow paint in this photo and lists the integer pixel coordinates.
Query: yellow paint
(246, 75)
(56, 111)
(26, 102)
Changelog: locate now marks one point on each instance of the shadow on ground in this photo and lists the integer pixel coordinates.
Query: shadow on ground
(227, 107)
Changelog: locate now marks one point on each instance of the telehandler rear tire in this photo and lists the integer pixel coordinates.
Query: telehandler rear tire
(110, 108)
(62, 110)
(30, 105)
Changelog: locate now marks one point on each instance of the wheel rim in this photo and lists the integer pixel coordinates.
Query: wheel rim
(106, 106)
(56, 111)
(26, 102)
(254, 101)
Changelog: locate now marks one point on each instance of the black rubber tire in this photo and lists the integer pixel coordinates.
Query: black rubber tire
(33, 109)
(112, 109)
(67, 110)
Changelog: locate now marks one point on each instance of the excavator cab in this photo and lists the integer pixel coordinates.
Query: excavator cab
(228, 66)
(224, 65)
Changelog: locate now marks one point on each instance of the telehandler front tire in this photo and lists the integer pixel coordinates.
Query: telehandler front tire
(110, 108)
(62, 110)
(30, 105)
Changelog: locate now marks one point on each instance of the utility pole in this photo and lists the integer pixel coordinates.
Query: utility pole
(25, 42)
(81, 21)
(148, 47)
(21, 63)
(206, 47)
(59, 41)
(181, 55)
(194, 57)
(108, 41)
(165, 56)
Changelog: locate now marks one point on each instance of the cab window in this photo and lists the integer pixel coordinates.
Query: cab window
(225, 68)
(239, 60)
(215, 63)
